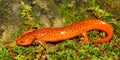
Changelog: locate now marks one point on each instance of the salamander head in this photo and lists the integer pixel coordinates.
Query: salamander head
(25, 39)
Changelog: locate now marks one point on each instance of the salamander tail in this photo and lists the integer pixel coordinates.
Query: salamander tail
(109, 31)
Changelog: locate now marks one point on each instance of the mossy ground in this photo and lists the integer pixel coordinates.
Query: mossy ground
(34, 14)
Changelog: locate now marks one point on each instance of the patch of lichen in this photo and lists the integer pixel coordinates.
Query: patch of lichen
(8, 20)
(112, 6)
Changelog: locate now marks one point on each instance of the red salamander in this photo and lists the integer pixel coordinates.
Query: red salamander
(67, 32)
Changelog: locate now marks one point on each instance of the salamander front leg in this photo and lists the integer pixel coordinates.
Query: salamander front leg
(85, 37)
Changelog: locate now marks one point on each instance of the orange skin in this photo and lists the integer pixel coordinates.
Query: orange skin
(67, 32)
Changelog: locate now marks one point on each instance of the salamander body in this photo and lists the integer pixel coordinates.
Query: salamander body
(67, 32)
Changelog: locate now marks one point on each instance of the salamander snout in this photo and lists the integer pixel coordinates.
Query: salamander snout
(25, 40)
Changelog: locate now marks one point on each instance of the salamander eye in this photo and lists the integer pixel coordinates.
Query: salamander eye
(22, 41)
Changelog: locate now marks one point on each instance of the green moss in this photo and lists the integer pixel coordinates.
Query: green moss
(22, 51)
(69, 12)
(4, 53)
(27, 16)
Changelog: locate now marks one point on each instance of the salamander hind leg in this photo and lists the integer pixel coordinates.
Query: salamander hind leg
(85, 37)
